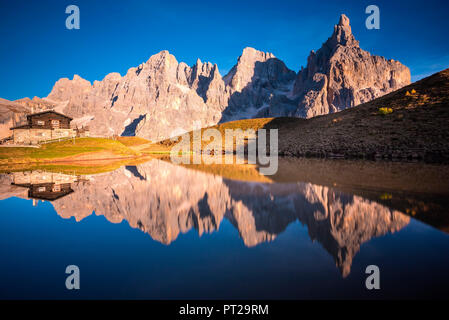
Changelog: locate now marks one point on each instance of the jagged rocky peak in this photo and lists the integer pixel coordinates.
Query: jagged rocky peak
(113, 76)
(344, 21)
(202, 69)
(162, 64)
(206, 80)
(250, 55)
(255, 64)
(162, 58)
(151, 100)
(341, 75)
(253, 82)
(201, 74)
(162, 95)
(342, 34)
(65, 89)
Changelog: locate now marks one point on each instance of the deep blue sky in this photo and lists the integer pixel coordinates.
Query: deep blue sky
(36, 49)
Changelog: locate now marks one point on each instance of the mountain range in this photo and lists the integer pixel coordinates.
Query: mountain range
(163, 97)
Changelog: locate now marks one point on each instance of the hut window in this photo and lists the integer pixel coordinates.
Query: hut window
(40, 122)
(56, 188)
(41, 189)
(55, 123)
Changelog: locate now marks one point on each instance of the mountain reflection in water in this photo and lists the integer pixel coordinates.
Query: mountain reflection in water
(164, 200)
(226, 231)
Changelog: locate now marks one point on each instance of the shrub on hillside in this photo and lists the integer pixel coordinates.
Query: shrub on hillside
(385, 111)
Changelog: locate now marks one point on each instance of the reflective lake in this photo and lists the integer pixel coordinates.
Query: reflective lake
(161, 231)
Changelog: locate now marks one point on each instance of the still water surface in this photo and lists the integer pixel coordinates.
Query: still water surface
(157, 230)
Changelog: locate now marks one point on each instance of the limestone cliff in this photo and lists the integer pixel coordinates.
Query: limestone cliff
(342, 75)
(163, 97)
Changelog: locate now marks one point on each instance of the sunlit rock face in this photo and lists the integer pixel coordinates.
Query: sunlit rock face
(11, 114)
(342, 75)
(154, 100)
(162, 97)
(257, 80)
(165, 201)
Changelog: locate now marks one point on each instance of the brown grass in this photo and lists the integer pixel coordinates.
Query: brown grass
(132, 141)
(92, 148)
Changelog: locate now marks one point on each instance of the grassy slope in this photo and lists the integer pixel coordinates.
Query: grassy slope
(66, 149)
(255, 124)
(74, 168)
(416, 125)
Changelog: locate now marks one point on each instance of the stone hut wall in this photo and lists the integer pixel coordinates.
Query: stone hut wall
(35, 136)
